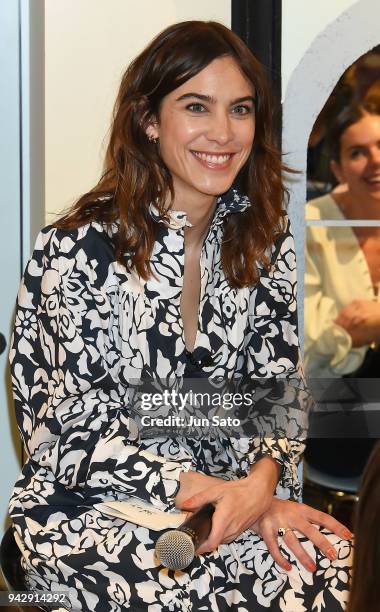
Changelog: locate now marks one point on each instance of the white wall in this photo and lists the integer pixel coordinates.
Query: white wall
(88, 44)
(10, 217)
(302, 21)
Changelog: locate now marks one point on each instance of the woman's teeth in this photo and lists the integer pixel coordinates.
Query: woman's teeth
(213, 159)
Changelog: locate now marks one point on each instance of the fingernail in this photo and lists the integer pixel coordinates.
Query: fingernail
(347, 534)
(288, 567)
(311, 567)
(331, 554)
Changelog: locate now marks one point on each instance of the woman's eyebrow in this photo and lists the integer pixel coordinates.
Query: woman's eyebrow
(212, 100)
(361, 145)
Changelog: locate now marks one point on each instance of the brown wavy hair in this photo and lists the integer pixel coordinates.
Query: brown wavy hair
(135, 175)
(365, 585)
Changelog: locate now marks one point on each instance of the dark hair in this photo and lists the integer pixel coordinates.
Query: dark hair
(347, 116)
(135, 175)
(365, 586)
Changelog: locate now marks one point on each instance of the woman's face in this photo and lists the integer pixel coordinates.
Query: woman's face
(359, 164)
(206, 129)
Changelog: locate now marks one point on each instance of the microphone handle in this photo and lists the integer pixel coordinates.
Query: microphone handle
(198, 526)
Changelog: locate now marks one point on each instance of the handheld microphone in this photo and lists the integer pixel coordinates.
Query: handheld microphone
(175, 549)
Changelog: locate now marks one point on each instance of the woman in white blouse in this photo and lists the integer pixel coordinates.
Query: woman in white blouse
(342, 309)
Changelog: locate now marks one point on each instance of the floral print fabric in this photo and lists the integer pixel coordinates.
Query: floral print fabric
(84, 329)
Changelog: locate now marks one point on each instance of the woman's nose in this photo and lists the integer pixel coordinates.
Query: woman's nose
(375, 156)
(220, 128)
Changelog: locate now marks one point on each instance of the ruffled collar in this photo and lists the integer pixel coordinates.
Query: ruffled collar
(229, 203)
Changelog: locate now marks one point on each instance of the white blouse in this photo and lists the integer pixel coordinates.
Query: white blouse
(336, 274)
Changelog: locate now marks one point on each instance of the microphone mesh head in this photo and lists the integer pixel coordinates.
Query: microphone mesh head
(175, 549)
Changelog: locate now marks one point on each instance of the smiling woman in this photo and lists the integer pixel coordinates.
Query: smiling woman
(148, 103)
(205, 135)
(342, 298)
(354, 140)
(177, 269)
(356, 161)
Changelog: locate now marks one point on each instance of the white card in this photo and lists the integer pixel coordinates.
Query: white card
(139, 512)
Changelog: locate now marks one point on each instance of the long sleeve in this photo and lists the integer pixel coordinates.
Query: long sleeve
(274, 369)
(328, 347)
(72, 411)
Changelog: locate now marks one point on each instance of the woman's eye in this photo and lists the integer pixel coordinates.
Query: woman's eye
(355, 153)
(242, 109)
(196, 107)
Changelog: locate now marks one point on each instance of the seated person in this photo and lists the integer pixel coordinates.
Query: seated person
(342, 302)
(162, 269)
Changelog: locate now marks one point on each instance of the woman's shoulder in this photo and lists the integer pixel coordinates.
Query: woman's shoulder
(87, 238)
(323, 207)
(85, 252)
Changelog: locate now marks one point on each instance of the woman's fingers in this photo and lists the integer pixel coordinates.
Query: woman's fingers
(326, 520)
(193, 503)
(218, 531)
(293, 543)
(318, 539)
(270, 538)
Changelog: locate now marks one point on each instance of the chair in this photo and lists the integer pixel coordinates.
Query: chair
(10, 562)
(338, 445)
(335, 495)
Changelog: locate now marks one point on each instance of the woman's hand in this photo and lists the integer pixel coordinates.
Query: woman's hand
(360, 319)
(192, 483)
(299, 517)
(238, 503)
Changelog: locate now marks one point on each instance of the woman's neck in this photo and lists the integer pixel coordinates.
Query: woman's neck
(356, 208)
(199, 213)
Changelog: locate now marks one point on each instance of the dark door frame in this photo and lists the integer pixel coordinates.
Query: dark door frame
(258, 23)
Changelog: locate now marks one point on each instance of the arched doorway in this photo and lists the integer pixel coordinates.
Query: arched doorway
(351, 35)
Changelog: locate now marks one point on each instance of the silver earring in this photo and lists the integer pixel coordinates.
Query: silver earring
(153, 139)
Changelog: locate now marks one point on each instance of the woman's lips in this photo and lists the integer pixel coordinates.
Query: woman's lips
(373, 182)
(216, 161)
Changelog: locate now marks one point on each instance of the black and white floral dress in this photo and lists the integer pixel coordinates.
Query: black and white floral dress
(84, 328)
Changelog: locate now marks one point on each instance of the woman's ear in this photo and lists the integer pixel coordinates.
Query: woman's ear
(337, 171)
(152, 131)
(146, 119)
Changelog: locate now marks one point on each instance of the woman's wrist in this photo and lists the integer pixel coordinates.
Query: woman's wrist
(266, 473)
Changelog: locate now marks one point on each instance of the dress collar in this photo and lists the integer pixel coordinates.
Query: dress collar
(230, 202)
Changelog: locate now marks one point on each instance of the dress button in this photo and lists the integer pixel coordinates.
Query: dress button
(240, 473)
